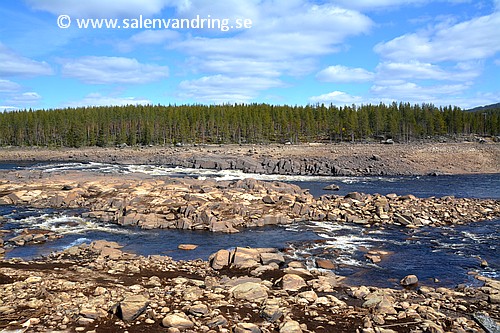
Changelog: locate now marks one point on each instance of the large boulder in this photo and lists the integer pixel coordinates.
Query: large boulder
(409, 280)
(220, 259)
(132, 307)
(250, 291)
(269, 258)
(293, 282)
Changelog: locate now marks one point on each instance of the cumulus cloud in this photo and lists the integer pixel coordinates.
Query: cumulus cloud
(470, 40)
(342, 74)
(274, 47)
(223, 89)
(108, 70)
(336, 98)
(96, 99)
(12, 64)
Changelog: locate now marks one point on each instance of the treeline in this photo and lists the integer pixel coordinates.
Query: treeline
(238, 123)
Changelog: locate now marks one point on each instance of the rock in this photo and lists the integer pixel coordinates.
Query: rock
(187, 247)
(331, 187)
(354, 195)
(310, 296)
(271, 311)
(268, 258)
(111, 253)
(246, 328)
(132, 307)
(325, 264)
(485, 321)
(268, 200)
(291, 327)
(177, 320)
(293, 282)
(220, 259)
(373, 258)
(242, 254)
(220, 320)
(409, 280)
(33, 279)
(250, 291)
(198, 310)
(101, 244)
(494, 298)
(192, 294)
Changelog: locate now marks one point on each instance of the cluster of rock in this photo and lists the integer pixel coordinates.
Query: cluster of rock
(226, 206)
(98, 287)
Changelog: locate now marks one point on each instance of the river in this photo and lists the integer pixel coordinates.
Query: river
(438, 256)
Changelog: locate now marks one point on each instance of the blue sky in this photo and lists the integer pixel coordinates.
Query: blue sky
(295, 52)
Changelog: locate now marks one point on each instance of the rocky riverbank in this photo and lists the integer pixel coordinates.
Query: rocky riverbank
(226, 206)
(306, 159)
(99, 288)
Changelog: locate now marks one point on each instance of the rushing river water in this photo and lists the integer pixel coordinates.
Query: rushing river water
(439, 256)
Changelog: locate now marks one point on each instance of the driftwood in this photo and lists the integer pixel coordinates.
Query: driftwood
(485, 321)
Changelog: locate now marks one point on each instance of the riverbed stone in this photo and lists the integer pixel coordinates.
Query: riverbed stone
(132, 307)
(250, 291)
(291, 326)
(177, 320)
(409, 280)
(246, 328)
(220, 259)
(293, 282)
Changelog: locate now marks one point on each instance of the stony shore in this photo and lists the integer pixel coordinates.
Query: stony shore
(305, 159)
(99, 288)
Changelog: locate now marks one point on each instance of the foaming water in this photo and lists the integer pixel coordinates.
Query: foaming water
(434, 254)
(159, 170)
(465, 186)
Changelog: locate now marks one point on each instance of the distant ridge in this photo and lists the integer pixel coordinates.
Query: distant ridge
(485, 108)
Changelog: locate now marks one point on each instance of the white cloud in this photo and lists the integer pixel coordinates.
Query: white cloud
(25, 99)
(96, 99)
(222, 89)
(7, 108)
(108, 70)
(148, 37)
(99, 8)
(336, 98)
(286, 39)
(382, 4)
(7, 86)
(412, 92)
(414, 70)
(470, 40)
(342, 74)
(12, 64)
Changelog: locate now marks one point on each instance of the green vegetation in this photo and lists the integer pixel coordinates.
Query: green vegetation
(238, 123)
